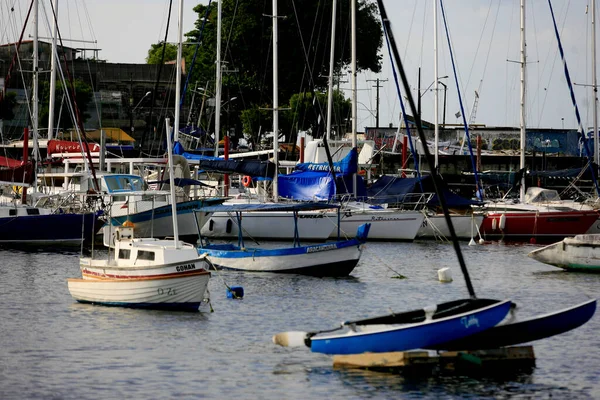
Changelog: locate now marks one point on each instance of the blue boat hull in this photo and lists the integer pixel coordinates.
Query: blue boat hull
(57, 229)
(423, 334)
(525, 331)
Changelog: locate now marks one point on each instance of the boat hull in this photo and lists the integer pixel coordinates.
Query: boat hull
(580, 253)
(465, 226)
(528, 330)
(325, 259)
(274, 225)
(50, 229)
(539, 226)
(385, 225)
(184, 292)
(388, 338)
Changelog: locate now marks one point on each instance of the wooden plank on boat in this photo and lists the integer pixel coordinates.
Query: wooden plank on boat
(516, 357)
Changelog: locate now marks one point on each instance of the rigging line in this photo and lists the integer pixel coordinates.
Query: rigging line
(434, 174)
(311, 82)
(569, 83)
(479, 43)
(404, 114)
(487, 57)
(189, 74)
(79, 119)
(464, 117)
(160, 65)
(423, 24)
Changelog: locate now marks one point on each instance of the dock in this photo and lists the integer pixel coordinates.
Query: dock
(516, 358)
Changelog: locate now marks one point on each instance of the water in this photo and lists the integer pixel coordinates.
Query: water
(53, 347)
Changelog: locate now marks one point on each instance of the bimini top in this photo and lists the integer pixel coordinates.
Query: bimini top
(247, 207)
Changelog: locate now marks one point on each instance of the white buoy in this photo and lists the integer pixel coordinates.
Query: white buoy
(481, 241)
(502, 221)
(445, 275)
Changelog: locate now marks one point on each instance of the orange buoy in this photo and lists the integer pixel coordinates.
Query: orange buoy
(246, 180)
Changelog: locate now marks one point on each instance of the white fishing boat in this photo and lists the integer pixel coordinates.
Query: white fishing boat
(579, 253)
(145, 272)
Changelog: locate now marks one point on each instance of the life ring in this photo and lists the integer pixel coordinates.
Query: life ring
(246, 181)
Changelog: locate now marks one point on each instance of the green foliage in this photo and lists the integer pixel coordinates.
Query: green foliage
(304, 32)
(83, 96)
(156, 50)
(7, 105)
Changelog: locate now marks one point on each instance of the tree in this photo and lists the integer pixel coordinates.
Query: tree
(304, 46)
(155, 53)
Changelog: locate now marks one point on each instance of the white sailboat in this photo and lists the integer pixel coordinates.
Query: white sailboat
(147, 272)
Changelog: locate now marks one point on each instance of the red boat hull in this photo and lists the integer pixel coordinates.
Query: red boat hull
(529, 226)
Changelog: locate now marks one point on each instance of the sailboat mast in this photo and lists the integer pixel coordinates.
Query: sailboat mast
(35, 95)
(218, 79)
(436, 84)
(52, 100)
(275, 103)
(354, 90)
(331, 65)
(172, 183)
(595, 84)
(523, 119)
(178, 73)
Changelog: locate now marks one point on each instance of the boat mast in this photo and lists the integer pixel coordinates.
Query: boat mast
(275, 104)
(178, 74)
(218, 79)
(172, 182)
(53, 72)
(331, 65)
(523, 135)
(594, 84)
(436, 85)
(35, 94)
(354, 90)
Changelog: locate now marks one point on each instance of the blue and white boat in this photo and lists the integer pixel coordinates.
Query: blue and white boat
(150, 210)
(416, 329)
(336, 258)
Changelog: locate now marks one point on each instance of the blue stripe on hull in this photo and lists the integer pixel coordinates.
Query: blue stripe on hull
(422, 335)
(149, 306)
(183, 208)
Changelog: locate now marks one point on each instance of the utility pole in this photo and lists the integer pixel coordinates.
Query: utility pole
(377, 86)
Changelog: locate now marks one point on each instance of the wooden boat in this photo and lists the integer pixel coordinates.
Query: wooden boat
(184, 292)
(536, 226)
(337, 258)
(512, 332)
(404, 331)
(579, 253)
(144, 272)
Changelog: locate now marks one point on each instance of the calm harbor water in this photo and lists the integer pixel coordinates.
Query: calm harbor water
(53, 347)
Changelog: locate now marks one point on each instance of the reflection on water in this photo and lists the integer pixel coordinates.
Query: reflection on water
(53, 347)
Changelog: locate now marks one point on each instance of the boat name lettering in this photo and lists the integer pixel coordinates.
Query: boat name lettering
(88, 272)
(167, 291)
(376, 218)
(311, 216)
(185, 267)
(321, 248)
(469, 321)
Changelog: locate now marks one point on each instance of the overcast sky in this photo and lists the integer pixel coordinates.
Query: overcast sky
(484, 33)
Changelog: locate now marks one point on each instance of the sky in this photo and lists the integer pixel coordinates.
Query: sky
(485, 37)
